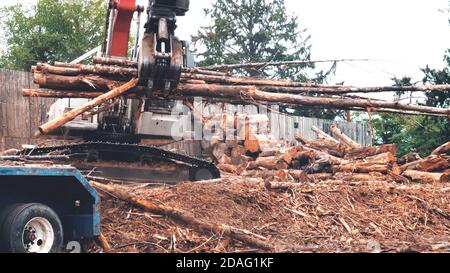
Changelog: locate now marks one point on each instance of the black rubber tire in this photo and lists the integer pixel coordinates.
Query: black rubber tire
(15, 217)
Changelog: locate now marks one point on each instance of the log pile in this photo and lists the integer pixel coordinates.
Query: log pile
(63, 80)
(328, 159)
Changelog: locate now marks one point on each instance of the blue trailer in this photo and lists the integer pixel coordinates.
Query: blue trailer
(42, 207)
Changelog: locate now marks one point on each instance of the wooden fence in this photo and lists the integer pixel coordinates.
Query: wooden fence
(19, 116)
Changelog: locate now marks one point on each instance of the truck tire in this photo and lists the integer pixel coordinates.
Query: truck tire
(30, 228)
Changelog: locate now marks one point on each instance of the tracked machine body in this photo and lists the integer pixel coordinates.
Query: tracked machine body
(112, 140)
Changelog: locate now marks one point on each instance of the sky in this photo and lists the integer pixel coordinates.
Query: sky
(401, 35)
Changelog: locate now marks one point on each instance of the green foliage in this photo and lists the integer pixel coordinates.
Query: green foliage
(251, 31)
(419, 134)
(51, 30)
(411, 133)
(254, 31)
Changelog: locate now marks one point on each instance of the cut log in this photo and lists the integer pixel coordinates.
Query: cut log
(228, 168)
(408, 158)
(257, 143)
(103, 242)
(237, 155)
(320, 166)
(269, 163)
(362, 167)
(322, 134)
(78, 69)
(188, 218)
(219, 150)
(343, 137)
(384, 158)
(434, 163)
(225, 160)
(364, 152)
(246, 93)
(322, 155)
(58, 122)
(82, 82)
(333, 148)
(426, 177)
(443, 149)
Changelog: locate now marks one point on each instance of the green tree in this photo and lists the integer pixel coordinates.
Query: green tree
(419, 134)
(50, 30)
(259, 31)
(253, 31)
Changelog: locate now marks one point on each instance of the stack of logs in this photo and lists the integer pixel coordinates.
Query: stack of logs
(110, 76)
(328, 158)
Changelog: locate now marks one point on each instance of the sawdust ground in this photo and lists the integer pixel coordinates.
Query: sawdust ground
(324, 217)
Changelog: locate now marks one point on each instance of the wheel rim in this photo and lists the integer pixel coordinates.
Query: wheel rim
(38, 236)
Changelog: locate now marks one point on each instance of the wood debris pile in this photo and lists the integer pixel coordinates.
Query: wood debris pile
(326, 158)
(327, 216)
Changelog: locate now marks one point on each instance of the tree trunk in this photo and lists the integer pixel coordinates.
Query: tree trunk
(188, 218)
(443, 149)
(364, 152)
(58, 122)
(322, 134)
(344, 138)
(426, 177)
(429, 164)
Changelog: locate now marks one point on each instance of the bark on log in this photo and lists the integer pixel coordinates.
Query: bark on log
(429, 164)
(239, 93)
(228, 168)
(81, 82)
(322, 155)
(257, 143)
(322, 134)
(48, 93)
(103, 242)
(219, 150)
(443, 149)
(364, 152)
(408, 158)
(58, 122)
(188, 218)
(237, 155)
(111, 61)
(343, 137)
(126, 63)
(426, 177)
(269, 163)
(362, 168)
(246, 93)
(78, 69)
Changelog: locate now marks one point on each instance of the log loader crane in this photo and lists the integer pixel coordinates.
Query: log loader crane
(117, 136)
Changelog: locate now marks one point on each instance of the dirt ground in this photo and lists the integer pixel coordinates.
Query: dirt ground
(332, 216)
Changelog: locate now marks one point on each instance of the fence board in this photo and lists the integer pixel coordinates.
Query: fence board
(19, 116)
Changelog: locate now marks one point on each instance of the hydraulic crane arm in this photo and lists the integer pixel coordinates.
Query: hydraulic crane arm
(161, 54)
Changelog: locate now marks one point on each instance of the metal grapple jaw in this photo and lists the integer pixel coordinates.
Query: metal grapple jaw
(162, 54)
